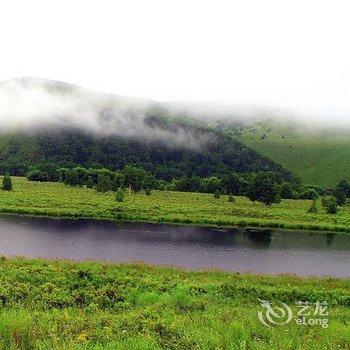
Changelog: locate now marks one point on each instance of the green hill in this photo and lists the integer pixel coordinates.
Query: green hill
(318, 156)
(71, 126)
(216, 154)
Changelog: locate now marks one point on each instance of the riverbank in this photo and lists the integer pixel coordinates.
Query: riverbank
(66, 305)
(59, 200)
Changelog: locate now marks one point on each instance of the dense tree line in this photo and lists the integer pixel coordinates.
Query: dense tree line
(138, 178)
(207, 152)
(266, 187)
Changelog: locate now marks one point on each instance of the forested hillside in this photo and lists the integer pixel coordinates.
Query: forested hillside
(72, 126)
(213, 153)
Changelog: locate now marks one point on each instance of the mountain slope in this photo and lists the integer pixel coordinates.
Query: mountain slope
(71, 147)
(64, 124)
(318, 156)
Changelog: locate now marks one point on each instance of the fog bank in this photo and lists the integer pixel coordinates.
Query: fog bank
(32, 105)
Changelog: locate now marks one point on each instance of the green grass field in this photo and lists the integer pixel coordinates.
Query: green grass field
(64, 305)
(318, 157)
(59, 200)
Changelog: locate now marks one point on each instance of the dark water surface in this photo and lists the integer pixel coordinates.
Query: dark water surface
(271, 252)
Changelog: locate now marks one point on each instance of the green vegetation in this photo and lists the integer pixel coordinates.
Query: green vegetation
(61, 305)
(137, 178)
(231, 198)
(313, 207)
(120, 195)
(59, 200)
(217, 194)
(330, 204)
(7, 183)
(318, 157)
(309, 193)
(206, 152)
(148, 192)
(264, 188)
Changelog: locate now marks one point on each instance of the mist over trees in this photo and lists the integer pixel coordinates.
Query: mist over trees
(214, 154)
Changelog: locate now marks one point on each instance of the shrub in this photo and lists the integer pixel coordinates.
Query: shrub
(264, 188)
(231, 198)
(148, 192)
(217, 194)
(103, 183)
(278, 199)
(120, 195)
(330, 204)
(71, 178)
(313, 207)
(340, 196)
(309, 193)
(90, 182)
(344, 186)
(7, 183)
(286, 191)
(295, 195)
(37, 175)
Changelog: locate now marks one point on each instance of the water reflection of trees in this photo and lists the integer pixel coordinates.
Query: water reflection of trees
(259, 237)
(330, 237)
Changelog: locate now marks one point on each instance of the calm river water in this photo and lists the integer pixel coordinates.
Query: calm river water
(272, 252)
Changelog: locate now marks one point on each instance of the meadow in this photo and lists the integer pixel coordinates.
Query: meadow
(59, 200)
(68, 305)
(319, 157)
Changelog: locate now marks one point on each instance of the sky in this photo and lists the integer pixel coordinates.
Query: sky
(289, 54)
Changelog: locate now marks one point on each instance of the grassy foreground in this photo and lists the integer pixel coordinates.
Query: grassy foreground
(65, 305)
(58, 200)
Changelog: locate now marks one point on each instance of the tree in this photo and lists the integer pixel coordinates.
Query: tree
(340, 196)
(117, 181)
(63, 173)
(309, 193)
(217, 194)
(37, 175)
(7, 183)
(233, 183)
(264, 188)
(51, 170)
(344, 187)
(103, 183)
(295, 195)
(313, 207)
(210, 184)
(120, 195)
(231, 198)
(82, 175)
(330, 204)
(71, 178)
(286, 190)
(148, 192)
(90, 182)
(134, 177)
(187, 184)
(44, 172)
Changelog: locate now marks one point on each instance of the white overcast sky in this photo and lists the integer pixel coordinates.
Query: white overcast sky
(293, 54)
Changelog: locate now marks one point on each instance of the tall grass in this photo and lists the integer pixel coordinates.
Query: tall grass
(66, 305)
